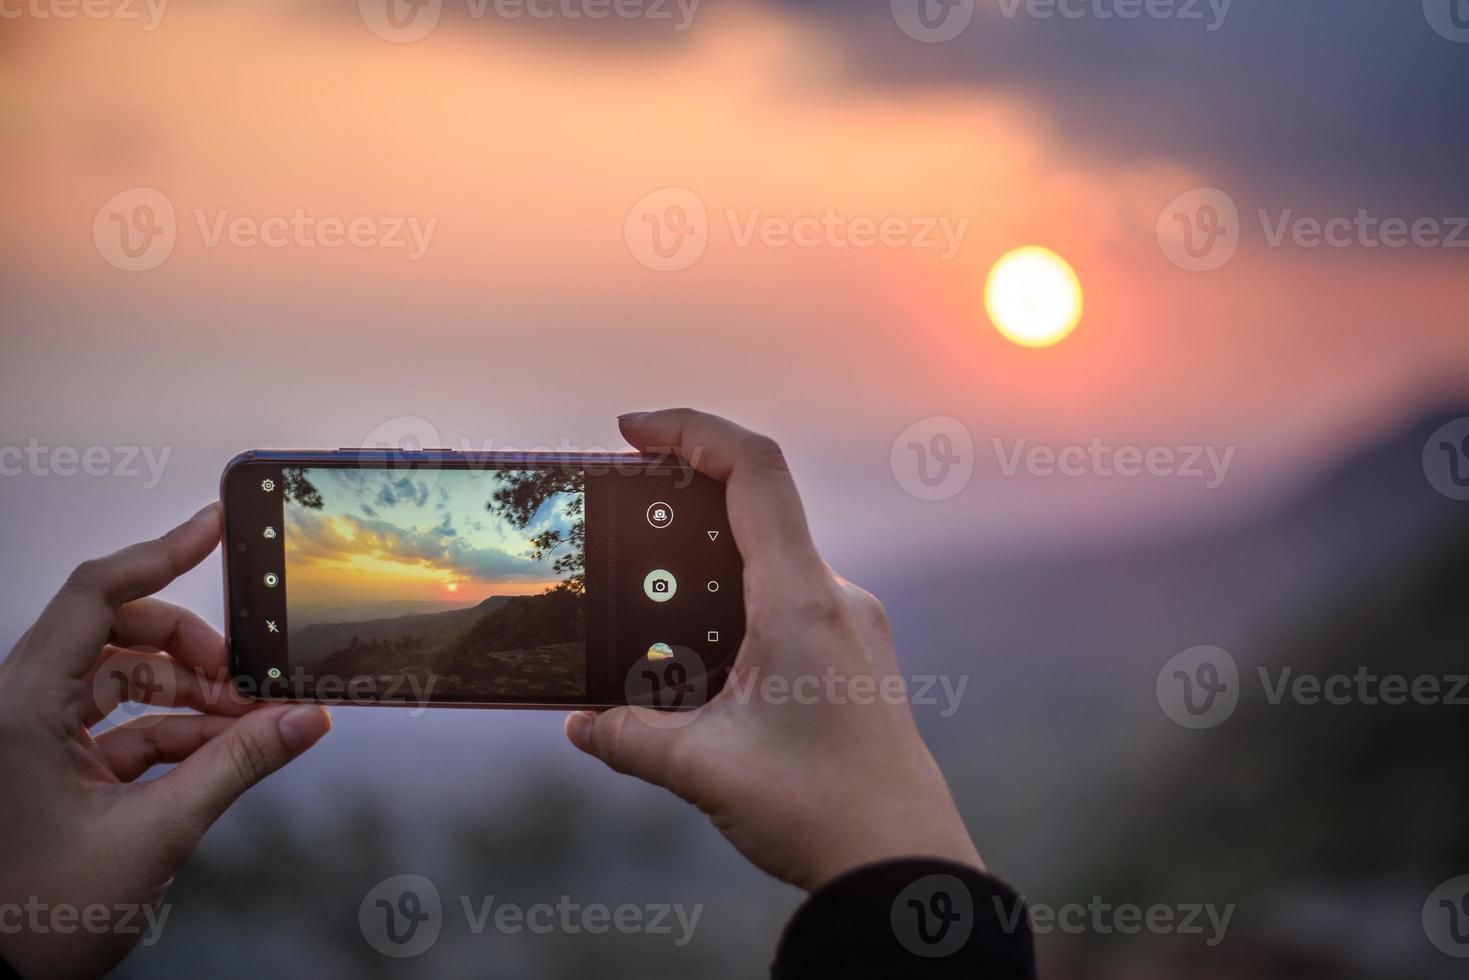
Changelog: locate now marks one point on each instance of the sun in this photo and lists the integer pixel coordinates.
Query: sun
(452, 586)
(1033, 296)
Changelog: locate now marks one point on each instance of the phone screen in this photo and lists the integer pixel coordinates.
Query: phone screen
(447, 578)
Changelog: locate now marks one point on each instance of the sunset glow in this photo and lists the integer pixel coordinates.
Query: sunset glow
(1033, 297)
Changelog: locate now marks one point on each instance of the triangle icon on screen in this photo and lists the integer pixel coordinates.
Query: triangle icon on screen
(713, 535)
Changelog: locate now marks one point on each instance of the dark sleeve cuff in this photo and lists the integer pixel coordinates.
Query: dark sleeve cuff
(915, 917)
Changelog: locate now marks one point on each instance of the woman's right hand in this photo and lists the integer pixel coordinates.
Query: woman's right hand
(808, 760)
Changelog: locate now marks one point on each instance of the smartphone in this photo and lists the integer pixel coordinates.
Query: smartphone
(436, 577)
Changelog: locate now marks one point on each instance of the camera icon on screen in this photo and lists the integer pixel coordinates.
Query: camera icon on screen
(660, 585)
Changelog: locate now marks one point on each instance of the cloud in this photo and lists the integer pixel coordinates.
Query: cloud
(312, 538)
(403, 489)
(1358, 99)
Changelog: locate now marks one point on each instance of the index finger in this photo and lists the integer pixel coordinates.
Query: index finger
(765, 512)
(77, 622)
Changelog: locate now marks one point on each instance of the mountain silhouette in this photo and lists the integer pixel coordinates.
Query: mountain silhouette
(506, 646)
(1062, 653)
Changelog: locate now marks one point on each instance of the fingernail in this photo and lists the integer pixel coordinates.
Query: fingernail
(302, 726)
(579, 729)
(631, 416)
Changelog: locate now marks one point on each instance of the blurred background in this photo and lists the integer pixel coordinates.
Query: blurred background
(485, 225)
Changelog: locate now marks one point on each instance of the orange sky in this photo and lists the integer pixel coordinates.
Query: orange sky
(529, 320)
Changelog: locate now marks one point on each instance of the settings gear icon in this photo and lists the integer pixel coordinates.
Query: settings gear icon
(267, 485)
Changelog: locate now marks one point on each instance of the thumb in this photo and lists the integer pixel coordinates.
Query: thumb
(636, 741)
(204, 785)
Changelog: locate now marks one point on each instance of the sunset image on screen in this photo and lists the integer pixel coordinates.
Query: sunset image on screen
(471, 580)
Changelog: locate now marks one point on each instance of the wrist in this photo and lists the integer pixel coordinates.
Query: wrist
(891, 832)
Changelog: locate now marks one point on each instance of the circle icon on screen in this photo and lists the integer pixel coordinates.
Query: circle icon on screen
(272, 579)
(660, 585)
(660, 514)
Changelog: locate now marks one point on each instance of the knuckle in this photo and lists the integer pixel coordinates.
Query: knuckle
(89, 577)
(250, 757)
(764, 453)
(681, 766)
(608, 735)
(873, 610)
(178, 839)
(821, 607)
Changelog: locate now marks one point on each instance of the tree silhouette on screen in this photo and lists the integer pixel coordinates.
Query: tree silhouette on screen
(522, 494)
(298, 489)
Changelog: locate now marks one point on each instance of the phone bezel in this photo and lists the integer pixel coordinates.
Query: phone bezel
(630, 462)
